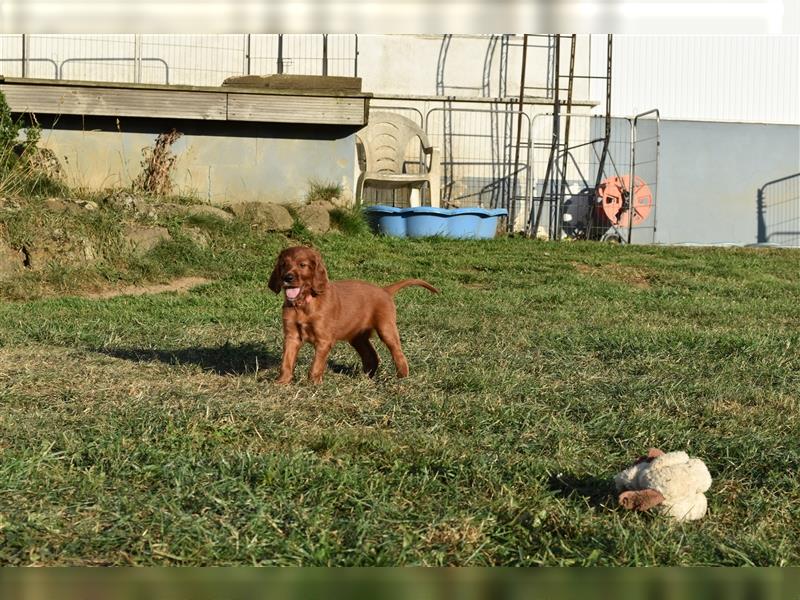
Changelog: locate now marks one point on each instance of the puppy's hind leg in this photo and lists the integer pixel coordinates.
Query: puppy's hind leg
(387, 330)
(369, 358)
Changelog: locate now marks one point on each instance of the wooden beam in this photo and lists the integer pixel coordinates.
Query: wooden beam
(75, 100)
(298, 109)
(183, 102)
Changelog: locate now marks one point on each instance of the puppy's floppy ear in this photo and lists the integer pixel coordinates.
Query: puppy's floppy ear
(275, 279)
(319, 279)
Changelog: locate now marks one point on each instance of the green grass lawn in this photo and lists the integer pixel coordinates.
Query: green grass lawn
(147, 430)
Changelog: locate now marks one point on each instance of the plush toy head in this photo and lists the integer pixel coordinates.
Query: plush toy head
(671, 483)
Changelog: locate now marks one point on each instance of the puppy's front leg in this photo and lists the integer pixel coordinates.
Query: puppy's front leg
(291, 346)
(322, 348)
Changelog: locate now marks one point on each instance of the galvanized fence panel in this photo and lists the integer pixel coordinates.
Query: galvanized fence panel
(569, 199)
(477, 155)
(645, 148)
(570, 206)
(778, 204)
(182, 59)
(479, 160)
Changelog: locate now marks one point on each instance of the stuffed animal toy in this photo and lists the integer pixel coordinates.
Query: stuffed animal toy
(671, 483)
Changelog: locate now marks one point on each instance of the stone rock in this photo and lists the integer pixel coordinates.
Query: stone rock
(120, 200)
(45, 161)
(263, 215)
(8, 204)
(197, 235)
(141, 239)
(326, 204)
(315, 217)
(126, 201)
(87, 204)
(189, 210)
(58, 248)
(11, 261)
(57, 205)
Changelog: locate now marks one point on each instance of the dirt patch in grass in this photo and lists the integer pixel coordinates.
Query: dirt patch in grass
(633, 276)
(180, 285)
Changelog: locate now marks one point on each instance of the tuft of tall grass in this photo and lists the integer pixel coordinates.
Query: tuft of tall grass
(319, 191)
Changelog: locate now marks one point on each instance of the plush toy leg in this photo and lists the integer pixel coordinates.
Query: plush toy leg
(640, 500)
(651, 454)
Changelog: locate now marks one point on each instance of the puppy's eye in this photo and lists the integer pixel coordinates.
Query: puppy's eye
(303, 264)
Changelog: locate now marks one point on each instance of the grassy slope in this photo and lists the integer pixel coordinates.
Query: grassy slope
(147, 430)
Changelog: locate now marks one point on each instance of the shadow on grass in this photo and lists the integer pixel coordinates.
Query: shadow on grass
(227, 359)
(597, 491)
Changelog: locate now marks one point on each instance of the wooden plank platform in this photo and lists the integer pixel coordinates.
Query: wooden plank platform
(231, 103)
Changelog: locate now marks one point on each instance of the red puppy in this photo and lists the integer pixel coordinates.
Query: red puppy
(323, 312)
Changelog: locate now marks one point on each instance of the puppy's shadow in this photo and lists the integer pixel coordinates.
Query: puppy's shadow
(597, 491)
(227, 359)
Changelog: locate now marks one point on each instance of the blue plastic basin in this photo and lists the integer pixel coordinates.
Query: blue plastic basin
(426, 221)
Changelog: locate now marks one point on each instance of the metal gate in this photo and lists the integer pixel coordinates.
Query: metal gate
(582, 202)
(779, 212)
(479, 163)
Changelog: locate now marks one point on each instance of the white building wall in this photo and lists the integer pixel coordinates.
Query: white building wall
(706, 77)
(710, 77)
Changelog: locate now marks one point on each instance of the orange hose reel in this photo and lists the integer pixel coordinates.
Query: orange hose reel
(613, 200)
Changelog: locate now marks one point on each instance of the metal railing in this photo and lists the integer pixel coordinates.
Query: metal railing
(105, 59)
(183, 59)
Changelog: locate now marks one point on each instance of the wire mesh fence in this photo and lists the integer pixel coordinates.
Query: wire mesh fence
(779, 211)
(479, 162)
(203, 60)
(480, 167)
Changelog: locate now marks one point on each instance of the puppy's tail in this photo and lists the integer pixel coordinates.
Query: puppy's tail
(396, 287)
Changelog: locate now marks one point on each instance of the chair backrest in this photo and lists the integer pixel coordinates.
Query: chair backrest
(385, 139)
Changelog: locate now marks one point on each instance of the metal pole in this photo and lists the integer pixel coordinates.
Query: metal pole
(247, 54)
(560, 200)
(24, 55)
(554, 143)
(632, 185)
(324, 53)
(280, 53)
(511, 204)
(355, 60)
(604, 153)
(137, 55)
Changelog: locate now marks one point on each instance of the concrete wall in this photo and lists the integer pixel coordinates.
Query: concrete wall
(709, 175)
(218, 162)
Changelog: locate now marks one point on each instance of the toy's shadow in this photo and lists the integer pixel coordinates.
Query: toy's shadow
(596, 491)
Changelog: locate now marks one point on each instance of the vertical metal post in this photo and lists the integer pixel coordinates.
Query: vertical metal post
(601, 165)
(355, 60)
(137, 58)
(560, 199)
(554, 142)
(511, 204)
(324, 53)
(280, 53)
(632, 183)
(247, 54)
(24, 55)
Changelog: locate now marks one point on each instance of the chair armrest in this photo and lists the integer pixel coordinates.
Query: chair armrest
(432, 152)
